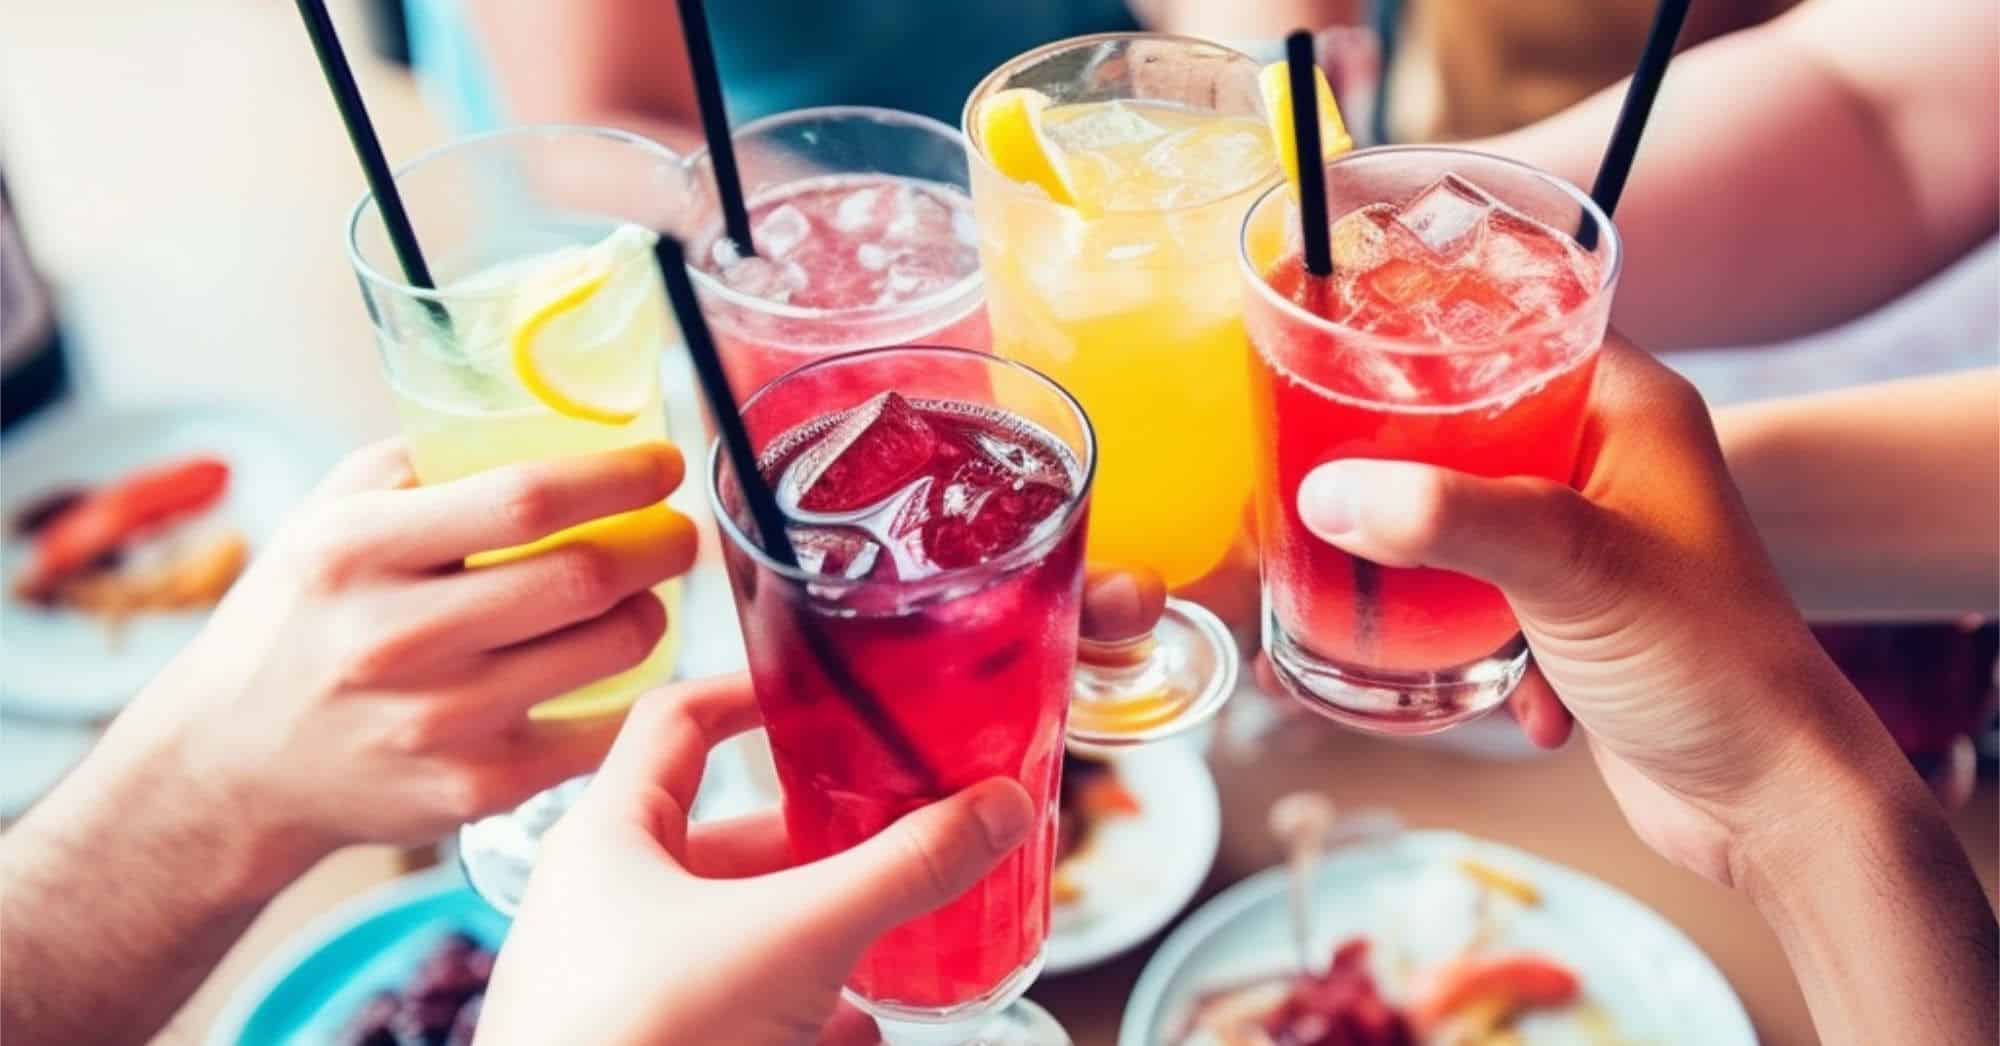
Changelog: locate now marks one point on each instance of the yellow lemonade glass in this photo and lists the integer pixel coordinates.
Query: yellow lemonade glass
(1110, 178)
(543, 339)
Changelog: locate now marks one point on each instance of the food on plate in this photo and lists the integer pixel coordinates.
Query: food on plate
(1091, 795)
(1431, 975)
(438, 1006)
(119, 549)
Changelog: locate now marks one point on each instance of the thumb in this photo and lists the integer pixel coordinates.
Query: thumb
(1536, 539)
(925, 859)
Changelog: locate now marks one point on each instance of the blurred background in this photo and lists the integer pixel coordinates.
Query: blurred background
(176, 184)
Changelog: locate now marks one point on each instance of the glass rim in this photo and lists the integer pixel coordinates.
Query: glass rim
(709, 283)
(370, 274)
(987, 84)
(1613, 250)
(1016, 558)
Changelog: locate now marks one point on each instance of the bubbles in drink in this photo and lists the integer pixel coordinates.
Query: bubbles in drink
(935, 484)
(852, 241)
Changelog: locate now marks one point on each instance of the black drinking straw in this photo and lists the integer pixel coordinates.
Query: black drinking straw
(715, 126)
(770, 520)
(368, 149)
(1305, 138)
(1638, 105)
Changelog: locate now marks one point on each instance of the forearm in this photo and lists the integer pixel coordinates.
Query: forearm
(1882, 920)
(1779, 190)
(1882, 500)
(120, 891)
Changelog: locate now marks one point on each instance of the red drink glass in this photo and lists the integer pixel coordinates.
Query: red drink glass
(928, 638)
(1460, 328)
(862, 221)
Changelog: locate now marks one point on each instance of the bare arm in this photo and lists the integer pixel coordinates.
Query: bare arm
(621, 63)
(1800, 173)
(120, 891)
(1879, 915)
(1882, 499)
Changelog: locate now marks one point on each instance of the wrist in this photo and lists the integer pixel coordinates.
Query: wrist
(154, 783)
(1842, 792)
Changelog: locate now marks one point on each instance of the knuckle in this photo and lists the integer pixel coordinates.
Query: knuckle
(633, 632)
(586, 576)
(465, 794)
(529, 505)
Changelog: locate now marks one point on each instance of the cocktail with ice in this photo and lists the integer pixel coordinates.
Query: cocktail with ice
(1110, 176)
(863, 238)
(926, 640)
(1459, 328)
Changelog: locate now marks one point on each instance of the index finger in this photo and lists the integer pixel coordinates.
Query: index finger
(442, 524)
(655, 765)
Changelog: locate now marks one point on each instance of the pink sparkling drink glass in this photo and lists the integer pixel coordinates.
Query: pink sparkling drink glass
(864, 238)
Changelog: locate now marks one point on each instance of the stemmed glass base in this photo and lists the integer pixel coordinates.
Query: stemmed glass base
(497, 853)
(1154, 686)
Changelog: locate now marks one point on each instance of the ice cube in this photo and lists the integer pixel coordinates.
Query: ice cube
(1382, 377)
(1359, 238)
(835, 551)
(1449, 217)
(870, 454)
(910, 282)
(915, 212)
(760, 277)
(998, 519)
(963, 227)
(1545, 271)
(1104, 125)
(873, 256)
(780, 231)
(1474, 309)
(856, 210)
(1208, 160)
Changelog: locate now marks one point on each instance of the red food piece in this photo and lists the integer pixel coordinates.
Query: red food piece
(1522, 981)
(100, 523)
(869, 455)
(1340, 1007)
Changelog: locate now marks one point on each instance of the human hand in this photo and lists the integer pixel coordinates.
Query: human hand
(1654, 615)
(639, 928)
(359, 684)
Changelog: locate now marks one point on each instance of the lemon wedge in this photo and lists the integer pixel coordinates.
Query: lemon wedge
(1275, 83)
(560, 380)
(1010, 128)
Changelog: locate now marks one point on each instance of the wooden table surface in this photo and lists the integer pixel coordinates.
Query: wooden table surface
(182, 177)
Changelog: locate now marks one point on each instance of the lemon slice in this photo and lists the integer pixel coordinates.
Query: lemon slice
(1275, 83)
(537, 361)
(1010, 127)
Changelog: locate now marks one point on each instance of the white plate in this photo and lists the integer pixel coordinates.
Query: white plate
(61, 665)
(1652, 982)
(1140, 871)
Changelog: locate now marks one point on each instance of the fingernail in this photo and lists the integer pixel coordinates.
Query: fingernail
(1325, 503)
(1005, 815)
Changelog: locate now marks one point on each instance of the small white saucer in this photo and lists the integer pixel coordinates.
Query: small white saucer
(1138, 872)
(64, 666)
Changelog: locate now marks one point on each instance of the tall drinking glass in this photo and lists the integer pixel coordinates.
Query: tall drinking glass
(928, 640)
(1127, 297)
(1460, 328)
(508, 222)
(863, 231)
